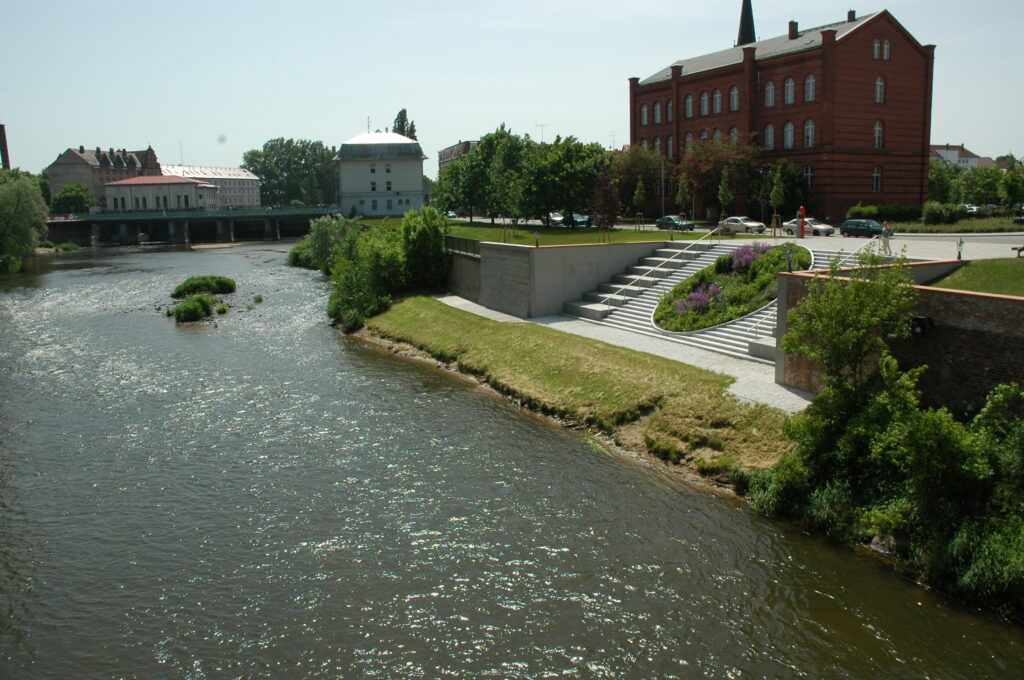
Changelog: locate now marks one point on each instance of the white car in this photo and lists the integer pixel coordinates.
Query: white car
(555, 218)
(811, 226)
(741, 225)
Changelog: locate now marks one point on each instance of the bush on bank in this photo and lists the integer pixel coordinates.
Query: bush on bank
(212, 285)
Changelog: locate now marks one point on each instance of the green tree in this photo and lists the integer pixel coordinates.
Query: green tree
(605, 205)
(1011, 187)
(294, 170)
(683, 199)
(639, 198)
(941, 176)
(978, 186)
(725, 194)
(403, 125)
(634, 166)
(22, 217)
(704, 163)
(73, 198)
(426, 260)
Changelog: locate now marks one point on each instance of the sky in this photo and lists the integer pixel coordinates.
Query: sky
(203, 82)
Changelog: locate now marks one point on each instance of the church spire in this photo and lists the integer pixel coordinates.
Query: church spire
(746, 35)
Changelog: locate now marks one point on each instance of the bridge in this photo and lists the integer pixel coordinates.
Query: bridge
(184, 226)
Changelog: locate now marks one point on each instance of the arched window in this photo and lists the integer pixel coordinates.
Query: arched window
(809, 178)
(643, 114)
(879, 90)
(688, 142)
(808, 133)
(657, 113)
(703, 103)
(688, 106)
(789, 89)
(643, 143)
(879, 135)
(734, 135)
(716, 101)
(787, 135)
(877, 51)
(668, 111)
(876, 179)
(669, 148)
(885, 50)
(704, 134)
(734, 98)
(809, 86)
(718, 135)
(769, 94)
(769, 136)
(657, 145)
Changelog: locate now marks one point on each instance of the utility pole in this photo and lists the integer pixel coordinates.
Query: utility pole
(542, 126)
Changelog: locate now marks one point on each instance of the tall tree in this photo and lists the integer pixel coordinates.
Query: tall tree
(74, 197)
(979, 186)
(705, 162)
(941, 176)
(634, 166)
(725, 194)
(22, 217)
(403, 125)
(683, 199)
(294, 171)
(1011, 187)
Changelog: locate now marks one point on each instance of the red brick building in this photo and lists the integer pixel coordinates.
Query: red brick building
(848, 103)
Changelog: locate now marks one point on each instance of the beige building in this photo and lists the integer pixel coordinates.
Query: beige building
(96, 168)
(236, 187)
(380, 174)
(161, 192)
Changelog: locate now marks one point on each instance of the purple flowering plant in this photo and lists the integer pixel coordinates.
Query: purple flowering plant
(746, 255)
(701, 299)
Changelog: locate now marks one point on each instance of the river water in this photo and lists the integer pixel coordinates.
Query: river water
(262, 497)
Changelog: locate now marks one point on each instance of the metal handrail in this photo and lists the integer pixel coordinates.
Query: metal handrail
(712, 232)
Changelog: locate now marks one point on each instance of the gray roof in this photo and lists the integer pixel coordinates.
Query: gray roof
(380, 146)
(807, 39)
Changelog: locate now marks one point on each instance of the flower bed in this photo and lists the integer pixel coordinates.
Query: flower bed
(736, 284)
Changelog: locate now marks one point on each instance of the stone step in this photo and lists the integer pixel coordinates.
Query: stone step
(587, 310)
(611, 299)
(634, 280)
(619, 289)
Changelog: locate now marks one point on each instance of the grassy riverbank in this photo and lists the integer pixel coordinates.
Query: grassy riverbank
(647, 403)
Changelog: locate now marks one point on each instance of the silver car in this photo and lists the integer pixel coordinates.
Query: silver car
(811, 226)
(741, 225)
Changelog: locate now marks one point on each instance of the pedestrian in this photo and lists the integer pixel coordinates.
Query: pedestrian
(887, 233)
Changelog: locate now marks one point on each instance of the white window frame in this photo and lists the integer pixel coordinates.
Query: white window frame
(879, 135)
(810, 88)
(769, 94)
(769, 136)
(657, 113)
(716, 101)
(788, 131)
(688, 106)
(704, 103)
(789, 91)
(643, 114)
(809, 138)
(734, 98)
(880, 90)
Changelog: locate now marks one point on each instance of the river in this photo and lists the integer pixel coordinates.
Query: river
(261, 497)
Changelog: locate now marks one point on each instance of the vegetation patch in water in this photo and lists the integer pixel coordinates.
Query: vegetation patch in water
(211, 285)
(193, 308)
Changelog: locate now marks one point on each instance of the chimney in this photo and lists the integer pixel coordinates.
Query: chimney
(5, 158)
(851, 15)
(793, 32)
(81, 148)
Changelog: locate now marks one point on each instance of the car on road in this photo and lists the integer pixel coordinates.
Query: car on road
(555, 218)
(451, 214)
(674, 222)
(741, 225)
(811, 226)
(867, 228)
(576, 220)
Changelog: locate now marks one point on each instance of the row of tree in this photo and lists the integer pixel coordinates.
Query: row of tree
(976, 186)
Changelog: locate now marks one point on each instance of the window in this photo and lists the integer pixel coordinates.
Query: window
(704, 134)
(885, 50)
(809, 83)
(668, 110)
(373, 204)
(703, 103)
(388, 185)
(879, 90)
(657, 145)
(387, 168)
(669, 148)
(688, 106)
(876, 179)
(373, 186)
(734, 135)
(718, 135)
(734, 98)
(769, 94)
(657, 113)
(879, 135)
(373, 168)
(137, 202)
(144, 202)
(877, 51)
(808, 133)
(769, 136)
(716, 101)
(390, 204)
(186, 201)
(787, 135)
(809, 178)
(643, 143)
(688, 142)
(643, 114)
(789, 91)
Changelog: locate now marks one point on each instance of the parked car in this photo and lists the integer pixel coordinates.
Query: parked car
(1019, 219)
(576, 220)
(973, 211)
(811, 226)
(555, 218)
(674, 222)
(451, 214)
(867, 228)
(741, 225)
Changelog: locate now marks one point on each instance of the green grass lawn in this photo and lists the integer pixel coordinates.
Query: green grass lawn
(1003, 276)
(964, 226)
(674, 410)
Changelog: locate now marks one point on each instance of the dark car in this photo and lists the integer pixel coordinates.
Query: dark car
(576, 220)
(867, 228)
(674, 222)
(1019, 219)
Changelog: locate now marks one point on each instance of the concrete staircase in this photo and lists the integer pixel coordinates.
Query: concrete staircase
(629, 300)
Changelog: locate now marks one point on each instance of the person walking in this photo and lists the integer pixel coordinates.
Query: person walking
(887, 233)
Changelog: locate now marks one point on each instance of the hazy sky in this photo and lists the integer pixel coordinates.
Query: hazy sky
(202, 82)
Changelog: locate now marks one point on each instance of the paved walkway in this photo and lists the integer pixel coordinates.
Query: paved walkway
(755, 382)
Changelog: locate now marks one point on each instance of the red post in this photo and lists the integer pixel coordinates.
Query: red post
(803, 216)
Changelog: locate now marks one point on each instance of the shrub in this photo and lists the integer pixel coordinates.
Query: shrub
(258, 299)
(65, 247)
(942, 213)
(213, 285)
(222, 309)
(46, 244)
(193, 308)
(301, 255)
(893, 212)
